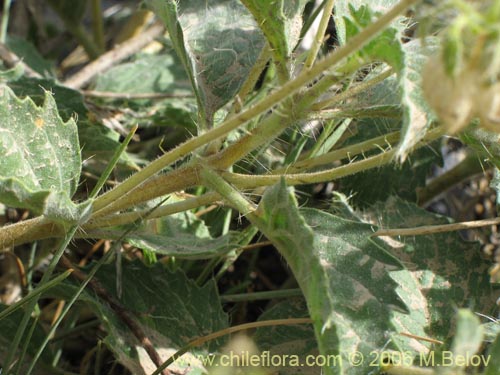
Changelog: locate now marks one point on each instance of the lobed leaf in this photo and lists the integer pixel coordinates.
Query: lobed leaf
(343, 274)
(41, 162)
(281, 22)
(343, 13)
(443, 271)
(96, 141)
(417, 116)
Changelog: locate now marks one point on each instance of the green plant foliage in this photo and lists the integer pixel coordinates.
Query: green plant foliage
(146, 74)
(217, 44)
(179, 235)
(344, 276)
(494, 365)
(343, 12)
(283, 340)
(280, 22)
(8, 327)
(167, 306)
(447, 271)
(241, 118)
(468, 336)
(31, 56)
(40, 167)
(97, 141)
(401, 180)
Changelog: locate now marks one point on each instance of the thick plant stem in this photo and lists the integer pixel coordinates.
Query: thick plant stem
(190, 176)
(287, 90)
(169, 209)
(243, 181)
(28, 230)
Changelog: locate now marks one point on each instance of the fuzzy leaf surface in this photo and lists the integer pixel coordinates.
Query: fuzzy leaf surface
(96, 141)
(217, 41)
(343, 274)
(281, 22)
(41, 161)
(146, 74)
(444, 272)
(169, 308)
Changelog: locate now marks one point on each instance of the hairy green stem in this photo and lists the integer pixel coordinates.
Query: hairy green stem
(346, 152)
(214, 181)
(287, 90)
(354, 90)
(169, 209)
(243, 181)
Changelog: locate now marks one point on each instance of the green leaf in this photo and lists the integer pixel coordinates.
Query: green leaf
(41, 162)
(171, 309)
(447, 271)
(181, 235)
(30, 55)
(281, 22)
(378, 184)
(217, 41)
(290, 340)
(146, 74)
(343, 274)
(343, 12)
(485, 142)
(468, 337)
(417, 116)
(98, 142)
(493, 367)
(8, 328)
(385, 47)
(407, 59)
